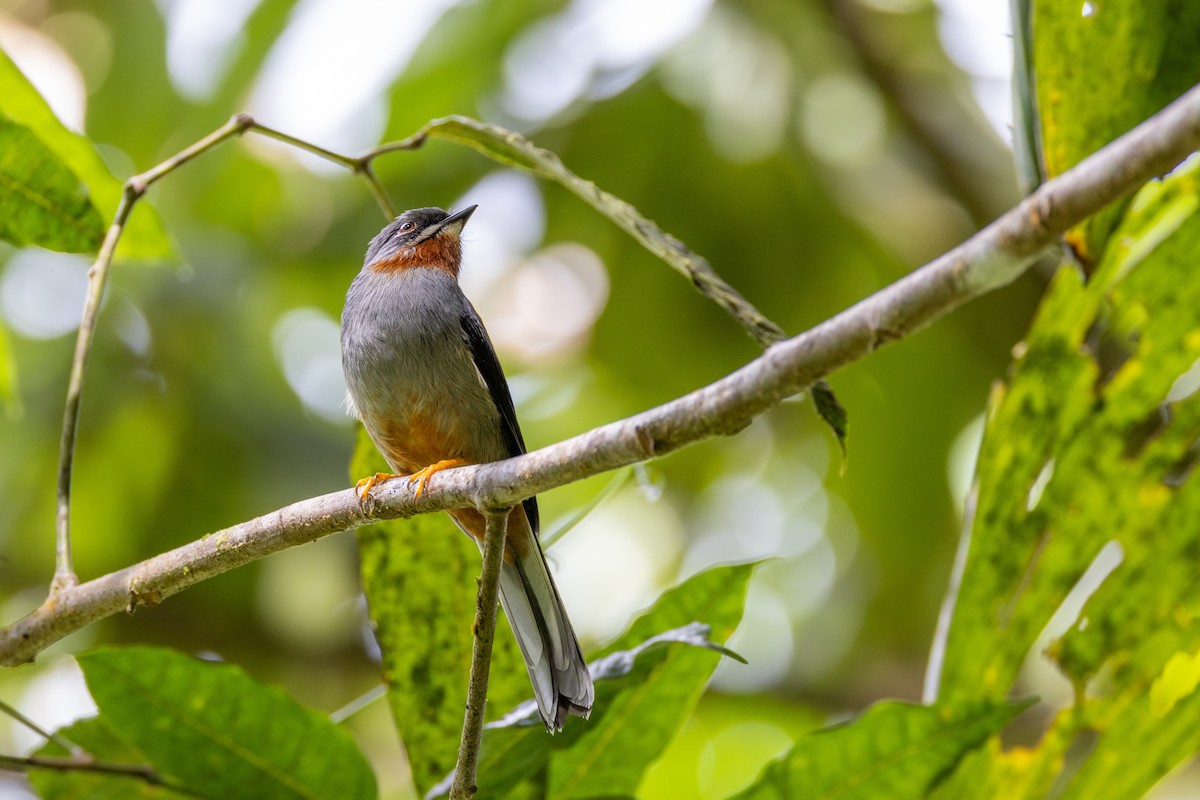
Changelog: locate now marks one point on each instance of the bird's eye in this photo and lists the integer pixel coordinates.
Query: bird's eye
(408, 226)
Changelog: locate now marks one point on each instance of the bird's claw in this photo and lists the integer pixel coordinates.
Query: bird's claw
(363, 487)
(422, 476)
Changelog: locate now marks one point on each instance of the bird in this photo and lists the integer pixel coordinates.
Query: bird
(424, 379)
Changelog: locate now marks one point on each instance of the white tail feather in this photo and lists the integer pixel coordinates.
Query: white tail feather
(560, 678)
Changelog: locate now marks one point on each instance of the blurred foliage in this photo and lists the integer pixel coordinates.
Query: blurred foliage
(812, 152)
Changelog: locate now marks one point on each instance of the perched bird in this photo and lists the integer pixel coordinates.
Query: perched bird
(424, 379)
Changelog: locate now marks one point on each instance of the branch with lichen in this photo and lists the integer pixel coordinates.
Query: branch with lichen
(463, 787)
(992, 258)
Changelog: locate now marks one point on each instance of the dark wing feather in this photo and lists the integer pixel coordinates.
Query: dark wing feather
(489, 367)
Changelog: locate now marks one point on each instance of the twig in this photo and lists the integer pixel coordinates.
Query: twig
(992, 258)
(358, 704)
(135, 188)
(60, 740)
(463, 787)
(60, 764)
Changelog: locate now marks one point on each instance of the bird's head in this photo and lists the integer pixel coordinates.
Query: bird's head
(422, 237)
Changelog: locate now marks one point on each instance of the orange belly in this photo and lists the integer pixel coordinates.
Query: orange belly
(417, 441)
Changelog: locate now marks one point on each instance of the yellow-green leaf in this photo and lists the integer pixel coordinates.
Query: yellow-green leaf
(144, 236)
(41, 201)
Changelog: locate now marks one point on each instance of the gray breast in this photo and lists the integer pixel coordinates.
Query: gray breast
(403, 348)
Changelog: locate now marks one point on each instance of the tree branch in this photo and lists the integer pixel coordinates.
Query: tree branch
(60, 764)
(992, 258)
(463, 787)
(50, 736)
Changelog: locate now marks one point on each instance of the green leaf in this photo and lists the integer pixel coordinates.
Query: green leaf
(833, 413)
(41, 200)
(1099, 74)
(144, 236)
(635, 715)
(213, 728)
(524, 721)
(419, 576)
(1082, 413)
(892, 751)
(1088, 451)
(104, 745)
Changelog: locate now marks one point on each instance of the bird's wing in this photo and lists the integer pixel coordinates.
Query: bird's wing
(484, 356)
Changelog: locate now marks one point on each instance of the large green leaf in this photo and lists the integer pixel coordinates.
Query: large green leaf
(635, 714)
(104, 745)
(419, 576)
(214, 729)
(41, 200)
(1090, 448)
(893, 751)
(1099, 69)
(144, 237)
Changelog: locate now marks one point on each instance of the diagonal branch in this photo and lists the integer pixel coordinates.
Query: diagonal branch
(87, 765)
(992, 258)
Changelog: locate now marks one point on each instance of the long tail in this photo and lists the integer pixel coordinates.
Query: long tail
(561, 683)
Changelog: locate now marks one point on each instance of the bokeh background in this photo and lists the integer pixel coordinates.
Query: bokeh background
(813, 151)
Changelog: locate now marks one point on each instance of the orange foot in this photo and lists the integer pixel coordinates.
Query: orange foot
(363, 488)
(422, 476)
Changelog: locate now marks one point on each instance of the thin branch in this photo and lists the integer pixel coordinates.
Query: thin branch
(463, 787)
(135, 188)
(60, 764)
(50, 736)
(358, 704)
(992, 258)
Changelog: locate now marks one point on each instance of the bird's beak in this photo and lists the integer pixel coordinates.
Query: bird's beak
(455, 222)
